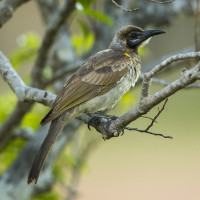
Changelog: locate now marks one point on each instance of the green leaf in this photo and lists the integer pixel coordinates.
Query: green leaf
(85, 3)
(99, 16)
(81, 43)
(47, 72)
(127, 100)
(50, 195)
(7, 103)
(143, 51)
(84, 28)
(28, 45)
(33, 118)
(9, 154)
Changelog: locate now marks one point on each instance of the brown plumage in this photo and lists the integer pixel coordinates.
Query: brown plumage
(97, 86)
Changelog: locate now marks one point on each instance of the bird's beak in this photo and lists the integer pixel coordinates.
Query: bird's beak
(143, 37)
(149, 33)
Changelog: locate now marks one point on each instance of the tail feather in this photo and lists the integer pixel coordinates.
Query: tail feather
(55, 128)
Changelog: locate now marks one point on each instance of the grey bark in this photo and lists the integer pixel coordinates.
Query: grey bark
(13, 181)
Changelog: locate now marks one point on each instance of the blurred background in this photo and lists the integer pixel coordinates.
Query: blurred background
(134, 166)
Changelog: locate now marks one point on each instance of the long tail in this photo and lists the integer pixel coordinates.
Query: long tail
(55, 128)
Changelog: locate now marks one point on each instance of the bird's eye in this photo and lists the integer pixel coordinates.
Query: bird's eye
(134, 34)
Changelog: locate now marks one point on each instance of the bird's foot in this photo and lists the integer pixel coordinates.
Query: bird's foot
(100, 115)
(96, 119)
(101, 123)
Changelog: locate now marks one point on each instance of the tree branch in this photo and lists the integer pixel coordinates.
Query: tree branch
(196, 35)
(166, 83)
(7, 8)
(148, 103)
(161, 66)
(49, 37)
(161, 2)
(112, 128)
(148, 132)
(124, 9)
(22, 91)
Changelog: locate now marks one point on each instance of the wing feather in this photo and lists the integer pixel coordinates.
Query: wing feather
(95, 77)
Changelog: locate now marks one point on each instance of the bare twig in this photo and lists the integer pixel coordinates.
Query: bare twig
(145, 131)
(161, 66)
(124, 9)
(197, 85)
(146, 104)
(161, 81)
(159, 112)
(112, 128)
(162, 2)
(196, 35)
(166, 83)
(49, 37)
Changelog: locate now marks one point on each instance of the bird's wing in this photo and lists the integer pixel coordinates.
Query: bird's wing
(95, 77)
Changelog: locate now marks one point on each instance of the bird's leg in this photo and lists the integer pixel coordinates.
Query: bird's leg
(102, 115)
(99, 119)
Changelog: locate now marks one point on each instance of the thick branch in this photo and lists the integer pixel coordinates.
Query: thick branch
(22, 91)
(160, 67)
(148, 103)
(7, 8)
(113, 127)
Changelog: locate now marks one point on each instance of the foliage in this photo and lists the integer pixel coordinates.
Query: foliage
(10, 153)
(47, 196)
(32, 119)
(83, 39)
(7, 103)
(28, 44)
(84, 6)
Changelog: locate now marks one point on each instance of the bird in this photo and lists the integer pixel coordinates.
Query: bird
(97, 85)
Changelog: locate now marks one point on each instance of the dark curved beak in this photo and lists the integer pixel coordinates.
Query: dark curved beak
(144, 35)
(149, 33)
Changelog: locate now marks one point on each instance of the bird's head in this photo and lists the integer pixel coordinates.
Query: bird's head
(131, 37)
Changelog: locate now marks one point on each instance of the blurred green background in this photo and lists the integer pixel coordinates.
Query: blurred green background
(136, 165)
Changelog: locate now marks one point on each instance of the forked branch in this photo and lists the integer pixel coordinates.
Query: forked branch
(111, 128)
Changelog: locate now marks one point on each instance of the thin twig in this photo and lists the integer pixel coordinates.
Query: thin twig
(166, 83)
(189, 77)
(160, 2)
(107, 128)
(148, 118)
(196, 32)
(148, 76)
(159, 112)
(124, 9)
(191, 7)
(145, 131)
